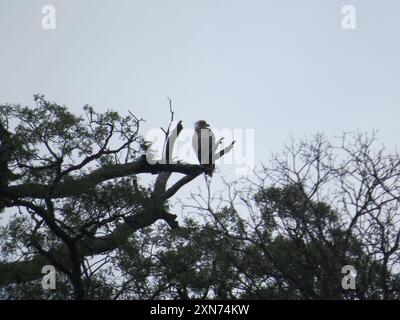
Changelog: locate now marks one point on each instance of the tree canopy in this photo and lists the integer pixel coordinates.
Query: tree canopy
(71, 197)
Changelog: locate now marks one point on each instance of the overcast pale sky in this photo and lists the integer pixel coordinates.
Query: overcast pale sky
(279, 67)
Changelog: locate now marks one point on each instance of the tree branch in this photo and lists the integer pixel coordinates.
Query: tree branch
(77, 186)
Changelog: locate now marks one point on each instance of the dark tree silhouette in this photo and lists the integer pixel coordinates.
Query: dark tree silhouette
(71, 196)
(74, 183)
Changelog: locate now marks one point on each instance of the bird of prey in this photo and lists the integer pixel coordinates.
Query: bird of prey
(204, 146)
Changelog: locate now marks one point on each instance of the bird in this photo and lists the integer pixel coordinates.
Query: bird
(203, 142)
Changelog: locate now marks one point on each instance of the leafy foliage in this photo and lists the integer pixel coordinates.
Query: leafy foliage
(74, 199)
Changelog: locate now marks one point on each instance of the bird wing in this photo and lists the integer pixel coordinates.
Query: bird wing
(211, 146)
(196, 144)
(203, 143)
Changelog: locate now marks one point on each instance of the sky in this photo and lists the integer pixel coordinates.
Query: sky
(280, 68)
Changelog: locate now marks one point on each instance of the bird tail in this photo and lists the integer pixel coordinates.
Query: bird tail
(209, 170)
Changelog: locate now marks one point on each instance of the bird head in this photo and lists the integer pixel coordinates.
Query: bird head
(201, 124)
